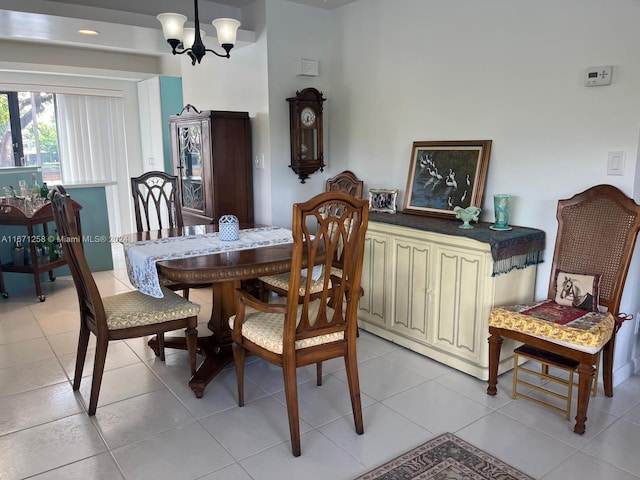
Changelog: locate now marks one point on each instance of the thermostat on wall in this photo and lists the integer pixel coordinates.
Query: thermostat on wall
(596, 76)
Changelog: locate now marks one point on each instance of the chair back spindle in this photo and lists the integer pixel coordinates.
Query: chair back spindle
(156, 201)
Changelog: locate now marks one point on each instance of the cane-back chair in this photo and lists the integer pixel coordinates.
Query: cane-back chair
(315, 329)
(597, 231)
(125, 315)
(345, 182)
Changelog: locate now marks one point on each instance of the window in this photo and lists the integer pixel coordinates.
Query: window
(29, 133)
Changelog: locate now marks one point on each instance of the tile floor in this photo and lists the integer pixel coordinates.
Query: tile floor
(150, 425)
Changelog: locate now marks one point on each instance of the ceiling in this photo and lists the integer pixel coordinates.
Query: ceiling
(150, 7)
(124, 25)
(157, 6)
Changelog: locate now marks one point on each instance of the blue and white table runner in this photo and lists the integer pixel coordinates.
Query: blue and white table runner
(141, 257)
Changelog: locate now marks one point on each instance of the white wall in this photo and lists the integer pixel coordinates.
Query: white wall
(496, 69)
(258, 78)
(508, 71)
(295, 32)
(150, 111)
(238, 84)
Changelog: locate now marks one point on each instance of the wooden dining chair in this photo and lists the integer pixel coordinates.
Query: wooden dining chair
(597, 232)
(125, 315)
(345, 182)
(315, 329)
(157, 205)
(156, 201)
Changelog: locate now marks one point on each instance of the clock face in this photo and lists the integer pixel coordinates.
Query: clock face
(307, 116)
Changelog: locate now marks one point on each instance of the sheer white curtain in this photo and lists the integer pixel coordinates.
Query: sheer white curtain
(92, 138)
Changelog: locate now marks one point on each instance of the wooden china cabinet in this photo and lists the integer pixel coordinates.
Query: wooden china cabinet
(211, 155)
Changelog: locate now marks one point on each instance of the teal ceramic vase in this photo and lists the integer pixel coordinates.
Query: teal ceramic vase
(502, 207)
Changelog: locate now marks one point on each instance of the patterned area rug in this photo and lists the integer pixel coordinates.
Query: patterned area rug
(446, 457)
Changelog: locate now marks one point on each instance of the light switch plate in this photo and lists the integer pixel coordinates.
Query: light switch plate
(597, 76)
(615, 163)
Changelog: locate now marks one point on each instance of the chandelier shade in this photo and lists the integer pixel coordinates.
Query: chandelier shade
(227, 29)
(172, 25)
(189, 40)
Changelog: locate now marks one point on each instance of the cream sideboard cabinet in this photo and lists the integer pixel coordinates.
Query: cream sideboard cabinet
(432, 292)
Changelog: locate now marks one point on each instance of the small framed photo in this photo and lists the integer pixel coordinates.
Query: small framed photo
(444, 175)
(381, 200)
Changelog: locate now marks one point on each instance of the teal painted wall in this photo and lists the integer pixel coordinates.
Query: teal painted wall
(95, 226)
(170, 104)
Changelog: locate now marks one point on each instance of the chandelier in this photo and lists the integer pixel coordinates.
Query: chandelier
(189, 40)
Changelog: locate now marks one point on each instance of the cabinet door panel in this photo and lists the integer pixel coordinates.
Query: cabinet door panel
(373, 303)
(232, 176)
(469, 295)
(189, 169)
(447, 301)
(410, 288)
(456, 318)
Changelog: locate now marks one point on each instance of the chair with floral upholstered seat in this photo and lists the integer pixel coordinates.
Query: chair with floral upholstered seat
(156, 204)
(313, 328)
(125, 315)
(596, 235)
(345, 182)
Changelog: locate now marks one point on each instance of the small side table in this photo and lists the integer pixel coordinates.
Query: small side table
(14, 215)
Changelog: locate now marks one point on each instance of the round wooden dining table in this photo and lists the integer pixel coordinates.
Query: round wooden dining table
(224, 271)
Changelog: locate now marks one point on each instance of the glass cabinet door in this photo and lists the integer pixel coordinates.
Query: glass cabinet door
(190, 151)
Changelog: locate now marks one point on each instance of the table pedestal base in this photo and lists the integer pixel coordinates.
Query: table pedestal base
(216, 357)
(216, 348)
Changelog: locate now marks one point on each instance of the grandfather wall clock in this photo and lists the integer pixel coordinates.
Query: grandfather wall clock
(305, 116)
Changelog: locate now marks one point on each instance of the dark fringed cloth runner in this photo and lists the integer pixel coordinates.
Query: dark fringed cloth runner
(445, 457)
(516, 248)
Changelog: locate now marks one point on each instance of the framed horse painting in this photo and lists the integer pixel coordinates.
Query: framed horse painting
(444, 175)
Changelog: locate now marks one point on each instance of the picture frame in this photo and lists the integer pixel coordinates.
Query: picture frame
(446, 174)
(382, 200)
